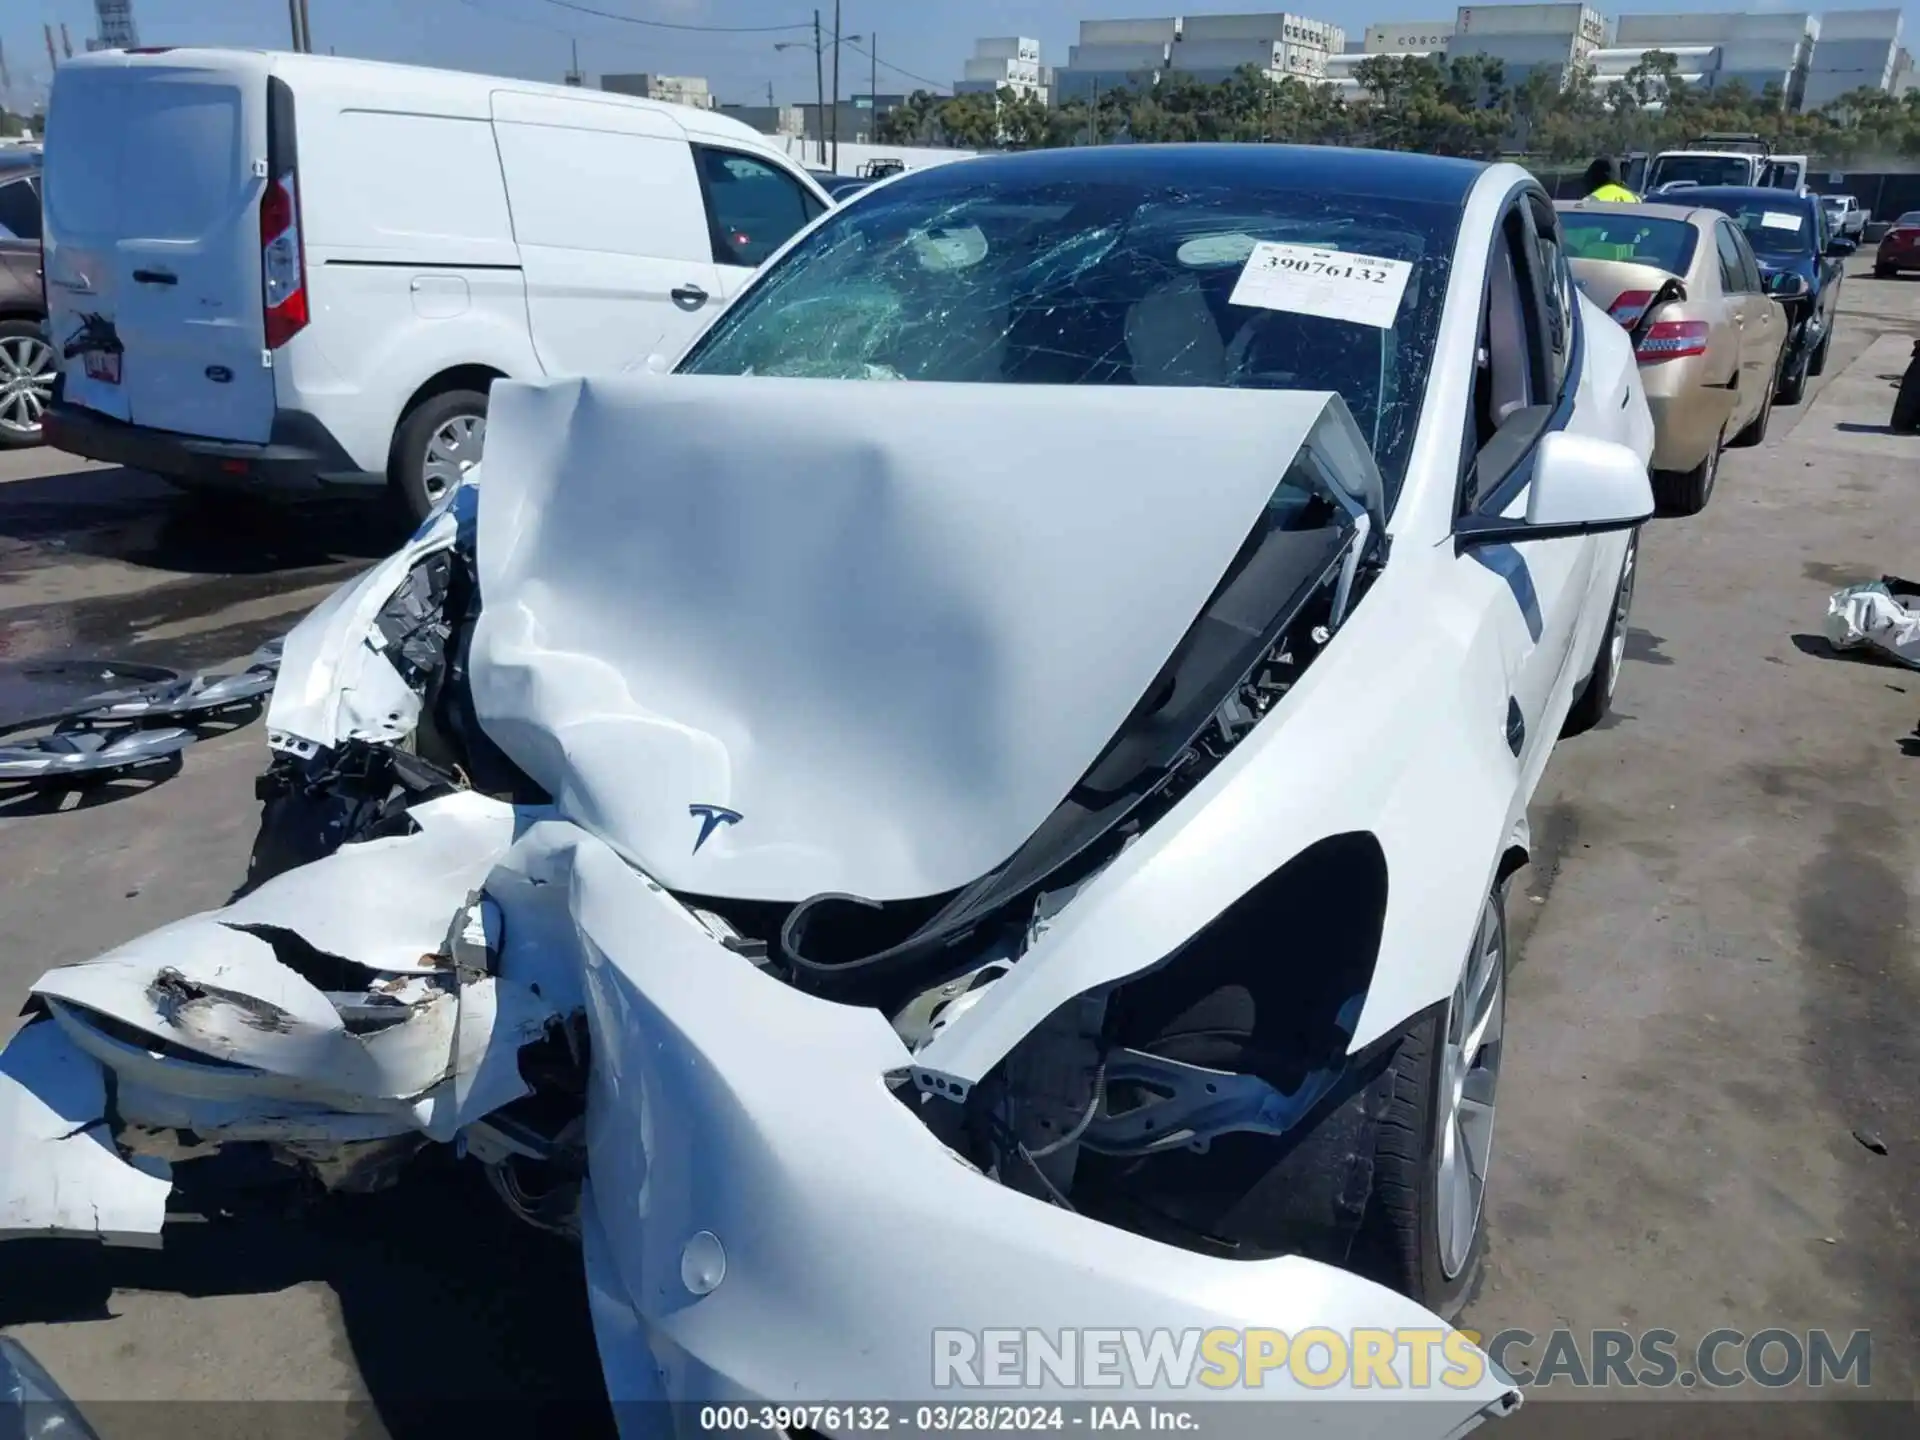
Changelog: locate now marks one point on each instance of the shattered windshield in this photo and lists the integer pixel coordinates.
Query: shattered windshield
(1101, 283)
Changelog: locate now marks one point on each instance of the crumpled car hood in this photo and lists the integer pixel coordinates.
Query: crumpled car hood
(773, 638)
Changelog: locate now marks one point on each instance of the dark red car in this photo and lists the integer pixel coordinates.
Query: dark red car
(1899, 247)
(26, 359)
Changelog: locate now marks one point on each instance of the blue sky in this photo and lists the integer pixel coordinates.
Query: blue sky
(530, 38)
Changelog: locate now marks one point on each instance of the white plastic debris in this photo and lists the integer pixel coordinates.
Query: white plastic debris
(1872, 614)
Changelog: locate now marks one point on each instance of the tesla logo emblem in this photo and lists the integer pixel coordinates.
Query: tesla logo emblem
(711, 818)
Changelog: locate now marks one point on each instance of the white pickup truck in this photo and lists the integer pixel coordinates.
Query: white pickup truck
(1846, 216)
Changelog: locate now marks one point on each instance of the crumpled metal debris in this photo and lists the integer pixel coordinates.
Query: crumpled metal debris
(1883, 614)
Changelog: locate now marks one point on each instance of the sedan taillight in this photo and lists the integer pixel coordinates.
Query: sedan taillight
(1628, 304)
(1673, 340)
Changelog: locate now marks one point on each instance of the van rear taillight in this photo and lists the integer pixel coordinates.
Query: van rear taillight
(283, 251)
(283, 266)
(1673, 340)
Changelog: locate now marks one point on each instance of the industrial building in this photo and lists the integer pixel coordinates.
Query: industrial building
(1209, 48)
(673, 89)
(1758, 51)
(1812, 58)
(1003, 62)
(1407, 37)
(1856, 48)
(1526, 38)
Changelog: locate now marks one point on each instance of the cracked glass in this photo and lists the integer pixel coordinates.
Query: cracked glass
(1092, 283)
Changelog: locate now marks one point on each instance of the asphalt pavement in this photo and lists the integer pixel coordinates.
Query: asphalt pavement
(1707, 1117)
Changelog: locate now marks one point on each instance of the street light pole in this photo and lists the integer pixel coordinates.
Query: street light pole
(873, 84)
(835, 167)
(819, 89)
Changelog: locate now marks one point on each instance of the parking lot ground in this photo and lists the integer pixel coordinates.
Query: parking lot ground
(1716, 985)
(1712, 1032)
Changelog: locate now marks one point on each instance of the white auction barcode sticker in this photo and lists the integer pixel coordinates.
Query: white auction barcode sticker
(1779, 220)
(1332, 284)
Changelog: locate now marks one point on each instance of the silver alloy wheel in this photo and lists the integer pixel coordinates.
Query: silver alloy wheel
(1469, 1078)
(1622, 608)
(26, 383)
(452, 450)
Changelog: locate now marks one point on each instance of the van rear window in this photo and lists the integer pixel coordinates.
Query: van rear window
(160, 159)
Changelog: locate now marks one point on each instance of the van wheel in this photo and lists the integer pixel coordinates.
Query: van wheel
(437, 443)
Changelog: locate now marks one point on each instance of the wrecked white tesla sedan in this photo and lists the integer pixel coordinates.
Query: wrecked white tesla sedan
(1020, 845)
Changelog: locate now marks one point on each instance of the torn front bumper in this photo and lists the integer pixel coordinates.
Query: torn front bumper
(345, 1011)
(767, 1218)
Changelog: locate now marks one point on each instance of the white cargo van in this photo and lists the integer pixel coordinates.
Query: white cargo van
(294, 272)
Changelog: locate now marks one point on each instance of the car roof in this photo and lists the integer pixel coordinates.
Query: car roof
(1699, 215)
(1323, 169)
(1752, 195)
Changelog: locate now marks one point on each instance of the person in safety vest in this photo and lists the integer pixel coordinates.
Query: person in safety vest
(1603, 183)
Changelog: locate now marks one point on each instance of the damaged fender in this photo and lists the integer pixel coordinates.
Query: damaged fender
(768, 1220)
(1349, 748)
(338, 680)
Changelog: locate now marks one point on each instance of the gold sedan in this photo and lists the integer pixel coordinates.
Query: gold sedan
(1685, 285)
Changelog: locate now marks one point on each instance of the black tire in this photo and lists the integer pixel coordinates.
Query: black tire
(1595, 700)
(14, 334)
(1817, 362)
(407, 467)
(1400, 1241)
(1686, 492)
(1885, 272)
(1756, 428)
(1793, 382)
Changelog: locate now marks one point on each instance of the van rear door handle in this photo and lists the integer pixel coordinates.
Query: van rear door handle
(155, 277)
(689, 297)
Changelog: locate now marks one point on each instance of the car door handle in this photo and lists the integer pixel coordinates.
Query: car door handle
(689, 297)
(155, 277)
(1516, 727)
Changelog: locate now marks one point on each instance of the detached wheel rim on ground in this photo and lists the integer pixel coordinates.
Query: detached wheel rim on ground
(1469, 1081)
(26, 383)
(452, 450)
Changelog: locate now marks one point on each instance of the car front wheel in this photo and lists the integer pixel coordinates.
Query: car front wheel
(1435, 1141)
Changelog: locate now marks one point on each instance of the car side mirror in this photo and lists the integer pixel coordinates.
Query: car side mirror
(1786, 285)
(1839, 249)
(1580, 486)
